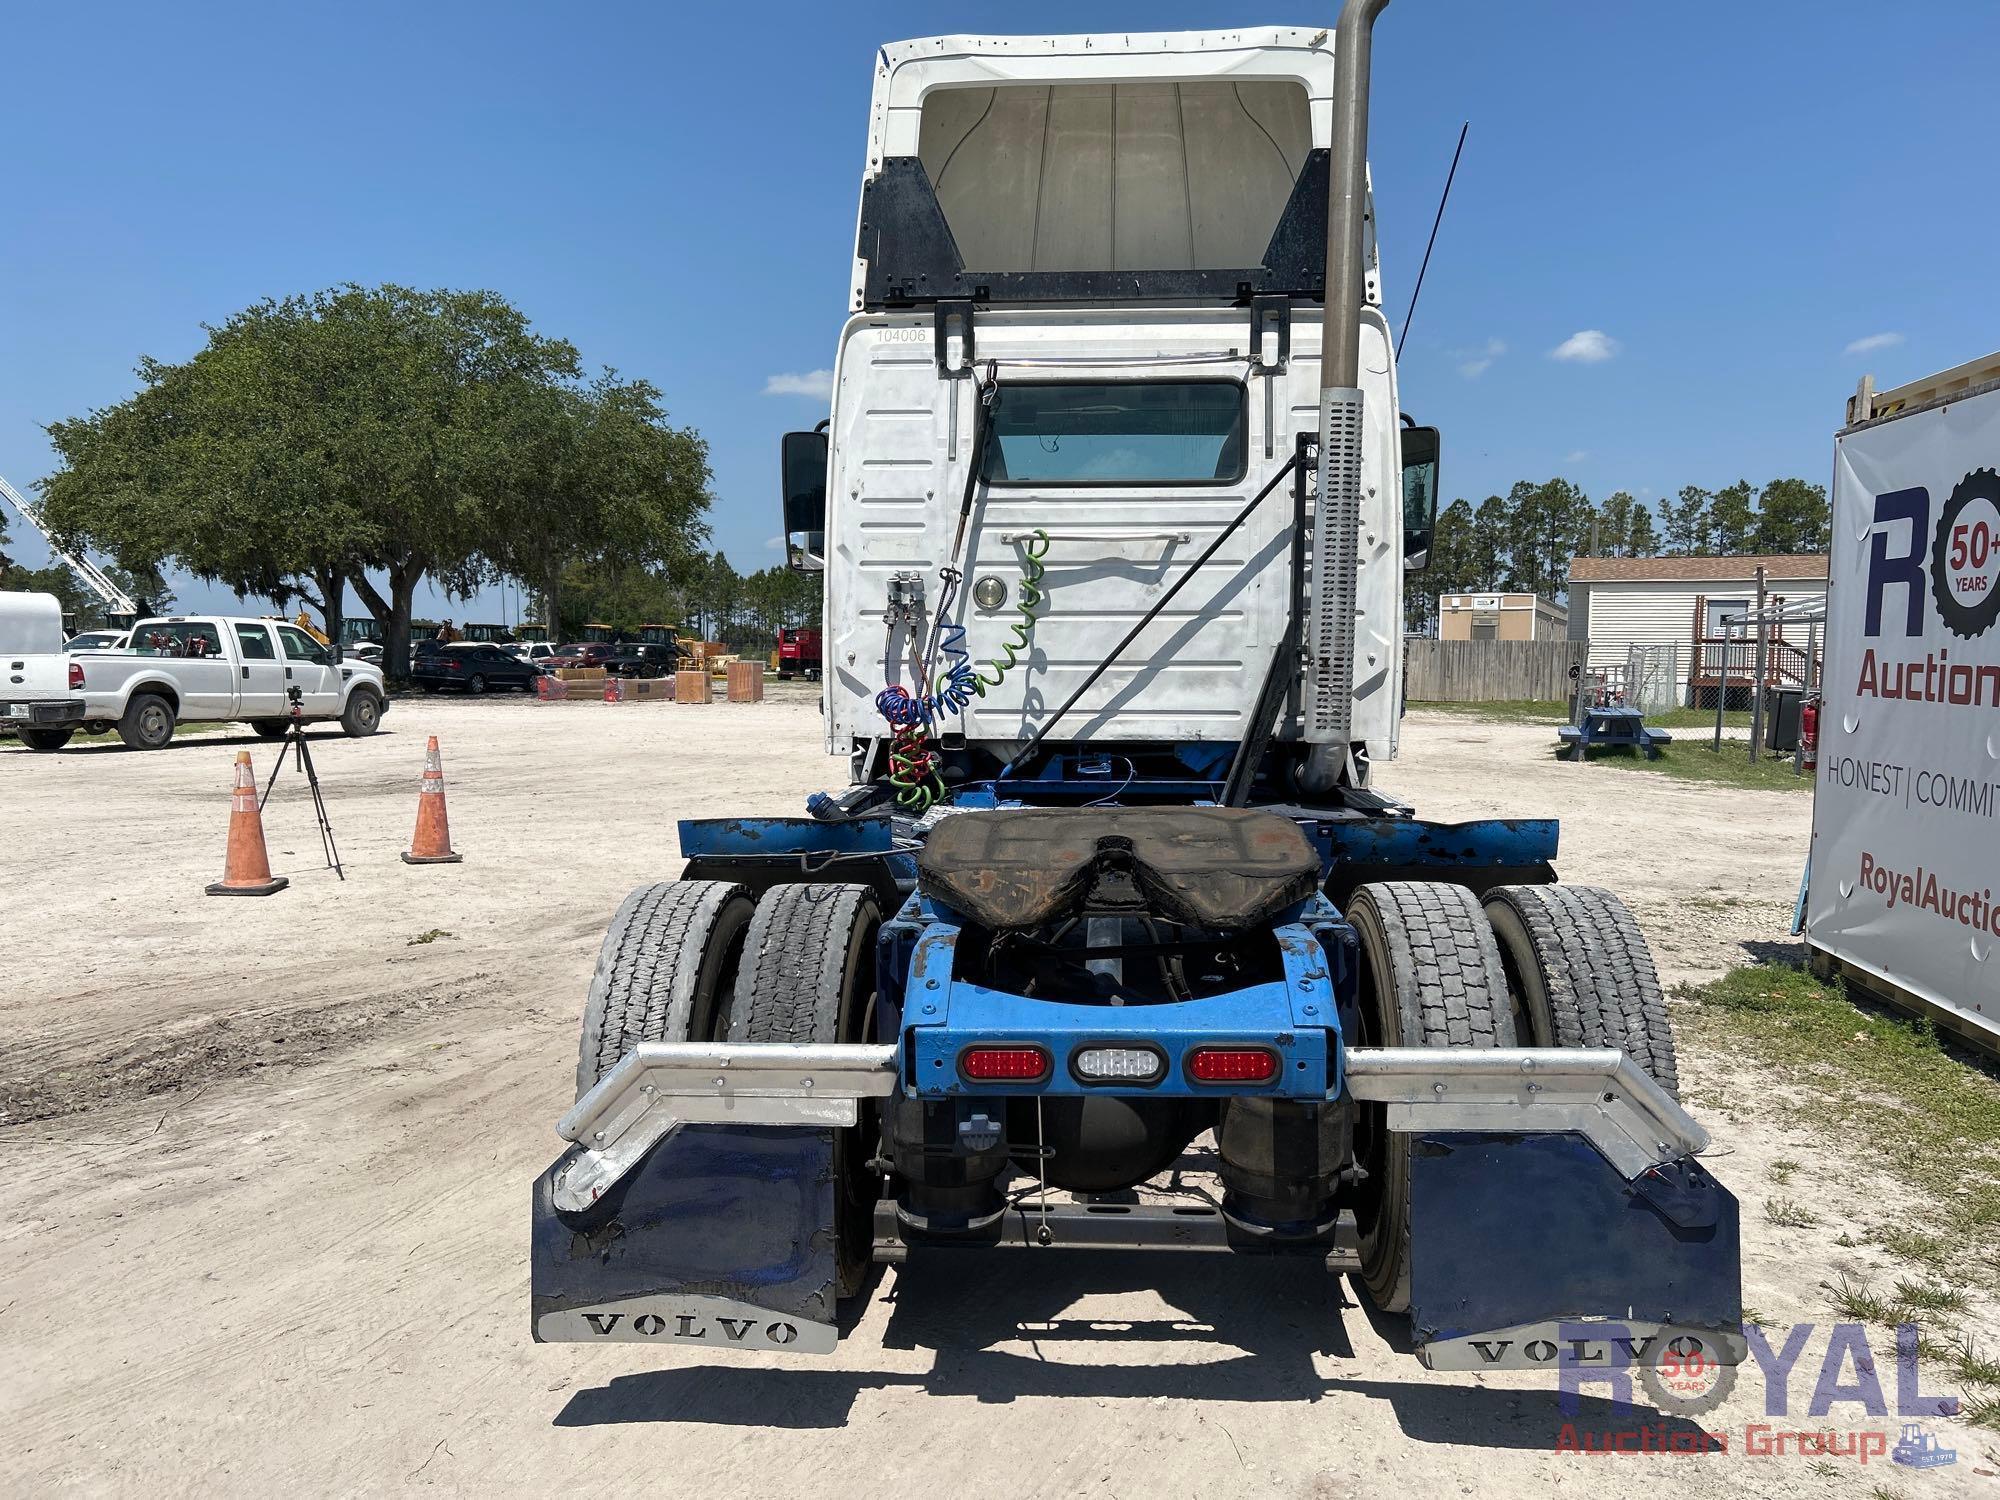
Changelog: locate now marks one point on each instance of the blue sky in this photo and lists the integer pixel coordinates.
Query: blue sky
(1742, 219)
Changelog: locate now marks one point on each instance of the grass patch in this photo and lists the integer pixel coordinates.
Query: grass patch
(1972, 1367)
(1688, 760)
(1505, 711)
(1914, 1301)
(1984, 1412)
(1883, 1082)
(1929, 1296)
(1536, 711)
(1788, 1213)
(1858, 1302)
(1911, 1244)
(1702, 718)
(1782, 1169)
(430, 935)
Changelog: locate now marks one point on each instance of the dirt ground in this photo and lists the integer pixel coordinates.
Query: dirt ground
(265, 1223)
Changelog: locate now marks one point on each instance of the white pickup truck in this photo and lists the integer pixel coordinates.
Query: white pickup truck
(213, 667)
(37, 679)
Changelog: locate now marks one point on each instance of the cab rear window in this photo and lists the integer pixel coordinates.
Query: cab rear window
(188, 638)
(1116, 433)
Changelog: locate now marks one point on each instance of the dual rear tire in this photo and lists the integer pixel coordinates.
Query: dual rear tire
(1534, 966)
(701, 960)
(1581, 974)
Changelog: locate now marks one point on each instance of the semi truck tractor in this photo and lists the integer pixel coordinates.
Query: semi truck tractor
(1111, 944)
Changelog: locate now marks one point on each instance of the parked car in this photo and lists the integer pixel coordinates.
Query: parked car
(368, 651)
(216, 667)
(530, 651)
(640, 659)
(99, 640)
(583, 654)
(475, 666)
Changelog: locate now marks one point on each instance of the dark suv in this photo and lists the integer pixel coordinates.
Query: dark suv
(640, 659)
(475, 666)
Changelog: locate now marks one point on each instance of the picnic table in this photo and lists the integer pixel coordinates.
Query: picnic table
(1617, 724)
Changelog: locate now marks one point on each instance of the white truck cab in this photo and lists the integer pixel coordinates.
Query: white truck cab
(1084, 334)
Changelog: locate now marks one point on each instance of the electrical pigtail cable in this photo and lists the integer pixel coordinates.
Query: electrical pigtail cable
(914, 760)
(1033, 550)
(913, 757)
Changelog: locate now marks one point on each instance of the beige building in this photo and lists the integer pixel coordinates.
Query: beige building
(1500, 617)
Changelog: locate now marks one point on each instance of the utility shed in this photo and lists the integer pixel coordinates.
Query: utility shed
(1617, 603)
(1499, 617)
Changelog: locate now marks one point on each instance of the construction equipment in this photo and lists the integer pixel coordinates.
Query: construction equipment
(1110, 945)
(120, 608)
(798, 654)
(304, 622)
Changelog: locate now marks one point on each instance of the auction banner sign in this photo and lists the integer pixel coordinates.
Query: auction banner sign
(1906, 813)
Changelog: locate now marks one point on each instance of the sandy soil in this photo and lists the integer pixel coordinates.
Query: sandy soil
(265, 1226)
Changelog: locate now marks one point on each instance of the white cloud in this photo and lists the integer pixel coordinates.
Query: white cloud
(1873, 342)
(1576, 457)
(1473, 363)
(817, 383)
(775, 542)
(1591, 346)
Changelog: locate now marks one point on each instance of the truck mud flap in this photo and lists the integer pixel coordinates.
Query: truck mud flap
(721, 1237)
(1532, 1250)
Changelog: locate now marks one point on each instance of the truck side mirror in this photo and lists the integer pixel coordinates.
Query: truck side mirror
(1420, 495)
(803, 460)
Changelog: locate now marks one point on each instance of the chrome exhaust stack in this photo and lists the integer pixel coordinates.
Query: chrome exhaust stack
(1337, 521)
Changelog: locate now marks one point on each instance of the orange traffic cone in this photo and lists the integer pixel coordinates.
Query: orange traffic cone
(247, 870)
(614, 690)
(432, 844)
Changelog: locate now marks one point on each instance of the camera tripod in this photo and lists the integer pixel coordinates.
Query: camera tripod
(295, 743)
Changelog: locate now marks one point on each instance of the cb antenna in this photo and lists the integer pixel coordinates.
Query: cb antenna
(1442, 200)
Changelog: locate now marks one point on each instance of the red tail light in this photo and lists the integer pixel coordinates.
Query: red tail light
(1004, 1064)
(1232, 1065)
(451, 664)
(76, 676)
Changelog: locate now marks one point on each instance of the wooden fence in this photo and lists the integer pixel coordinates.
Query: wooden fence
(1491, 671)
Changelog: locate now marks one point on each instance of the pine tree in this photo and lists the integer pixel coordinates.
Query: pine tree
(1685, 521)
(1614, 524)
(1641, 538)
(1792, 517)
(1732, 520)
